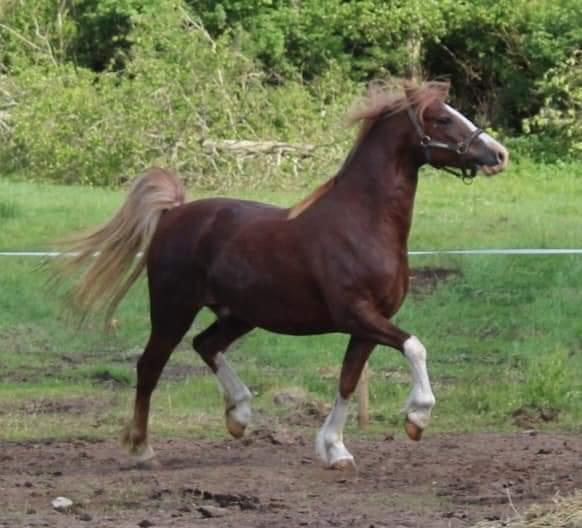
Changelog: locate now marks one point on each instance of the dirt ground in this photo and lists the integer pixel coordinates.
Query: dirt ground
(272, 479)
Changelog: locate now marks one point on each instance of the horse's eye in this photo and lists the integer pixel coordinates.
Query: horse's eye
(444, 121)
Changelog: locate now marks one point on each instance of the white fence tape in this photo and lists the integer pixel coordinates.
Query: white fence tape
(501, 251)
(531, 251)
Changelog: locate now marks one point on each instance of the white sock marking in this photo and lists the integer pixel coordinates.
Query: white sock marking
(329, 444)
(421, 399)
(236, 392)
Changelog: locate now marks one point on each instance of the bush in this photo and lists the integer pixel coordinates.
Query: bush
(181, 87)
(367, 38)
(496, 51)
(548, 381)
(88, 33)
(559, 122)
(94, 90)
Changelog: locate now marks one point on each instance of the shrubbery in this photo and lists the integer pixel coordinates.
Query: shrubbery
(558, 125)
(75, 125)
(94, 90)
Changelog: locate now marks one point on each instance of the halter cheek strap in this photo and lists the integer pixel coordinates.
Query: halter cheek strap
(461, 148)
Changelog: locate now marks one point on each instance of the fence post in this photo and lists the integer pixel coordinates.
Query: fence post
(363, 399)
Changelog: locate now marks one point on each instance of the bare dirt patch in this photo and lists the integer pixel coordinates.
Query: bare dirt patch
(274, 481)
(424, 280)
(56, 407)
(529, 416)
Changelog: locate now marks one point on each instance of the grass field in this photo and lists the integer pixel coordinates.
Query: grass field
(504, 335)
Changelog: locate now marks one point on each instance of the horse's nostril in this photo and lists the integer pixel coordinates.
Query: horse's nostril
(500, 157)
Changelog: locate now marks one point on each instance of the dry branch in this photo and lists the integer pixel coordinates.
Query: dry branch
(256, 148)
(4, 119)
(6, 103)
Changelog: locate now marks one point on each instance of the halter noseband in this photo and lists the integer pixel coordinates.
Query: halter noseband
(461, 148)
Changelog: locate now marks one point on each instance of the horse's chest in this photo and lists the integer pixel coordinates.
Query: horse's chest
(387, 285)
(390, 298)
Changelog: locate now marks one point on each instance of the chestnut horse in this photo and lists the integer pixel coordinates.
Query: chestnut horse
(335, 262)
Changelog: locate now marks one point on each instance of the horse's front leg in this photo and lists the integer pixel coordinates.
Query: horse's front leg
(419, 405)
(330, 445)
(374, 326)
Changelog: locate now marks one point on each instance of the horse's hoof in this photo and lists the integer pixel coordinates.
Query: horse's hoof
(344, 464)
(140, 451)
(412, 430)
(236, 429)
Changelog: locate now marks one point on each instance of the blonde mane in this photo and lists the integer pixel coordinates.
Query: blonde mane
(382, 99)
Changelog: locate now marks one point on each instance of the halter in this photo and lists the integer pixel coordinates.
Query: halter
(461, 148)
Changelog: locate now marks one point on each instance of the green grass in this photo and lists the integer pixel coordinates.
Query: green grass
(506, 334)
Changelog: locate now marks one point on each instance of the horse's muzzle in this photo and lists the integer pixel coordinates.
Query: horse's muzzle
(492, 157)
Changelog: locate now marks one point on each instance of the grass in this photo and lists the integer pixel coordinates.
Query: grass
(504, 335)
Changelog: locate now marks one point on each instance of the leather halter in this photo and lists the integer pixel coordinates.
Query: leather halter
(427, 143)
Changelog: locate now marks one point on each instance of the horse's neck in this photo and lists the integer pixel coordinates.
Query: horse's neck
(380, 180)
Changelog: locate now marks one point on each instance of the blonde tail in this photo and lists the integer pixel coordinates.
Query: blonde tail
(105, 260)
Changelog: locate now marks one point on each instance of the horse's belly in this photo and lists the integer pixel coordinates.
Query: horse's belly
(279, 310)
(279, 299)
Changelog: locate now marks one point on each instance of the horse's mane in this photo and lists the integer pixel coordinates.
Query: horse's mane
(382, 99)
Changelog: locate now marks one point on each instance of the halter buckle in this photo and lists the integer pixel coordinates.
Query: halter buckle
(462, 148)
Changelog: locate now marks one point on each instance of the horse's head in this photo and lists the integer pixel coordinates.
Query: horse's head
(447, 139)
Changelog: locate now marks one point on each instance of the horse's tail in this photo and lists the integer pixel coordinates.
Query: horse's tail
(105, 261)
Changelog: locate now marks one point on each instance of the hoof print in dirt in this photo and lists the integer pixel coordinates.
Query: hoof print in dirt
(280, 436)
(213, 511)
(222, 501)
(141, 465)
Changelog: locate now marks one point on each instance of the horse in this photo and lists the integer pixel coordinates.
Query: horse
(334, 262)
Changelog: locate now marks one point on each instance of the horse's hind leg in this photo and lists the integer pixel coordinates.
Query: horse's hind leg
(168, 328)
(211, 345)
(330, 444)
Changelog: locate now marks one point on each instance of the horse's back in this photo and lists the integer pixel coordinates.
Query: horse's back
(189, 236)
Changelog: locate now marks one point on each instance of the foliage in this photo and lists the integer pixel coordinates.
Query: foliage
(34, 32)
(367, 38)
(103, 40)
(90, 33)
(559, 121)
(548, 381)
(179, 88)
(94, 90)
(495, 51)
